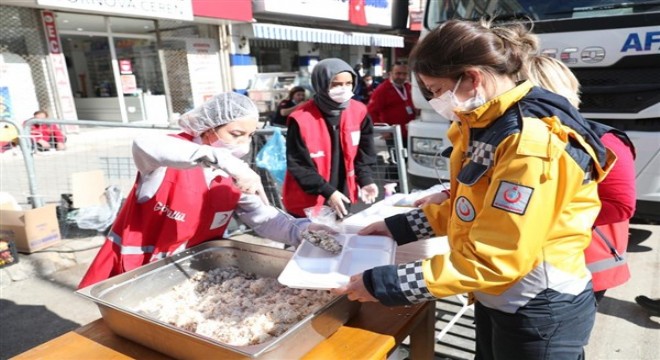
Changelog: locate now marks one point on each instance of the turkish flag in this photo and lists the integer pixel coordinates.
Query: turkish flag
(356, 14)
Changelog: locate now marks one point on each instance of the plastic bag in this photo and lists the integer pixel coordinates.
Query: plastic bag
(100, 217)
(272, 156)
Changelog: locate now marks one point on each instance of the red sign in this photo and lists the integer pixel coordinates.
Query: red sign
(356, 14)
(67, 106)
(51, 32)
(240, 10)
(416, 18)
(125, 66)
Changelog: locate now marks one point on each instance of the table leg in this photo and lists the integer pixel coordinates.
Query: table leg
(422, 338)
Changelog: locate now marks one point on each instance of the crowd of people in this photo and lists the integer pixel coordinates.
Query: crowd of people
(535, 187)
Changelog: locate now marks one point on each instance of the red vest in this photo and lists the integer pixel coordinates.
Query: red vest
(314, 133)
(606, 271)
(184, 212)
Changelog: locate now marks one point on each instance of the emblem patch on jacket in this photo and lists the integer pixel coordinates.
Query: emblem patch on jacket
(220, 219)
(512, 197)
(464, 209)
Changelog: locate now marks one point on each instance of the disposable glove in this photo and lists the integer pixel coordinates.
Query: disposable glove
(246, 179)
(369, 193)
(336, 202)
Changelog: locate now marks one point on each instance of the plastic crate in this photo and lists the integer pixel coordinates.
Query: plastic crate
(8, 253)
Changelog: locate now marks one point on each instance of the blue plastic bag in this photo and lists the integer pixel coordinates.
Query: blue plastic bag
(272, 156)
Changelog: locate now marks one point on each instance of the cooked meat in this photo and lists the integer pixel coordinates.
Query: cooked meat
(234, 307)
(322, 239)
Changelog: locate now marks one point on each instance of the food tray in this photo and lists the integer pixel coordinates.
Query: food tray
(314, 268)
(118, 296)
(370, 215)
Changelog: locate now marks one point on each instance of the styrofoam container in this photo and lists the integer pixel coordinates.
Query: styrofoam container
(314, 268)
(354, 223)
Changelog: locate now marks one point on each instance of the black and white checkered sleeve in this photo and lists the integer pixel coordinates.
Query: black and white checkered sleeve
(411, 281)
(419, 224)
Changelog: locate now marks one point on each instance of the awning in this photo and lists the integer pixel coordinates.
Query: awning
(293, 33)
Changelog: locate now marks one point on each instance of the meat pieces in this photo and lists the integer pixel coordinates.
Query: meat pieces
(322, 239)
(234, 307)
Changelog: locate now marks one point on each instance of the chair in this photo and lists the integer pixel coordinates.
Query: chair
(465, 307)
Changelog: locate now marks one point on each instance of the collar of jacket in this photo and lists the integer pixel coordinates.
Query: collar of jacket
(493, 109)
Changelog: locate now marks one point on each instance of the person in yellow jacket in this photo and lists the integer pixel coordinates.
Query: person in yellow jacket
(524, 170)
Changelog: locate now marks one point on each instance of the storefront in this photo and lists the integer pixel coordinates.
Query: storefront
(291, 35)
(106, 61)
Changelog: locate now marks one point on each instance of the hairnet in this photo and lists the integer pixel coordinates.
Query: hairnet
(219, 110)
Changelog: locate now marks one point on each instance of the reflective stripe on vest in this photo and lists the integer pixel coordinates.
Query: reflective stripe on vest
(141, 250)
(607, 264)
(129, 250)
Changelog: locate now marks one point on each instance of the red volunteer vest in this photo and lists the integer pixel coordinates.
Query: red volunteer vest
(314, 133)
(606, 271)
(184, 212)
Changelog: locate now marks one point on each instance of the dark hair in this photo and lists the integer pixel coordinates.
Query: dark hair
(40, 112)
(451, 48)
(294, 90)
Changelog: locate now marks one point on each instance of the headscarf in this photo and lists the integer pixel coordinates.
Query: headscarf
(322, 76)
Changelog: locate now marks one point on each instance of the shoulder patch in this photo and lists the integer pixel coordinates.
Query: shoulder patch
(464, 209)
(512, 197)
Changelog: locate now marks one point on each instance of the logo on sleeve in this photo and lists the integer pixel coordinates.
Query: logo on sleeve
(512, 197)
(464, 209)
(220, 219)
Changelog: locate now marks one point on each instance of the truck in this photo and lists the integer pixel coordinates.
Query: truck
(612, 47)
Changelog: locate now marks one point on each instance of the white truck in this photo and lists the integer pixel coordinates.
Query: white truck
(613, 48)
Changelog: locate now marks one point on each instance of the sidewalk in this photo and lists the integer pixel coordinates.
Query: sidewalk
(38, 302)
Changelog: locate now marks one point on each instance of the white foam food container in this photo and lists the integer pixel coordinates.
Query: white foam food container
(314, 268)
(354, 223)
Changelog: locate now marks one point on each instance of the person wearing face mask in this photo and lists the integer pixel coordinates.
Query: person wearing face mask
(187, 189)
(524, 168)
(391, 103)
(296, 98)
(329, 145)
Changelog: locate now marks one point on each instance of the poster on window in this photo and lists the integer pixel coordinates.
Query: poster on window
(128, 84)
(204, 69)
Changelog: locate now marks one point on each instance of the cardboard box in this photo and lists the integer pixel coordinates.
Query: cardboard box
(31, 230)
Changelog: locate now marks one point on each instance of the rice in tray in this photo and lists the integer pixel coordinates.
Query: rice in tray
(234, 307)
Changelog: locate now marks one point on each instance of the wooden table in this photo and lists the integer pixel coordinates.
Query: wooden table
(373, 333)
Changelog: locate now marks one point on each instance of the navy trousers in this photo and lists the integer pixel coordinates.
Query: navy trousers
(552, 327)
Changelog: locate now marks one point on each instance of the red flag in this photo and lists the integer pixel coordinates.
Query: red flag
(356, 14)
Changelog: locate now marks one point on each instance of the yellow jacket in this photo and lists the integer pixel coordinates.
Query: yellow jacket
(523, 201)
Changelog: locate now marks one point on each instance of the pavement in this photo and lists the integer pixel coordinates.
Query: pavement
(38, 300)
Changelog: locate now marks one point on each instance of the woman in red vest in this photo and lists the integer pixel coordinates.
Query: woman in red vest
(605, 255)
(329, 145)
(187, 189)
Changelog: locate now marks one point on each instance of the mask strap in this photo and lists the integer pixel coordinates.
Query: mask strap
(457, 83)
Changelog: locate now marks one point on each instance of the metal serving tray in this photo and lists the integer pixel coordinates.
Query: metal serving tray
(118, 296)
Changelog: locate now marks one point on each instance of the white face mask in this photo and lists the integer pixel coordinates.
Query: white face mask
(237, 150)
(341, 94)
(447, 103)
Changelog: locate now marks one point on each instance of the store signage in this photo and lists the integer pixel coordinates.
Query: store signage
(377, 12)
(67, 106)
(204, 69)
(125, 66)
(164, 9)
(240, 10)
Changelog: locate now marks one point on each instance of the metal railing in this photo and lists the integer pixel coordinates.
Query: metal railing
(41, 177)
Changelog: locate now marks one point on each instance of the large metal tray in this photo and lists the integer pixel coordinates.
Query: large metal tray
(118, 296)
